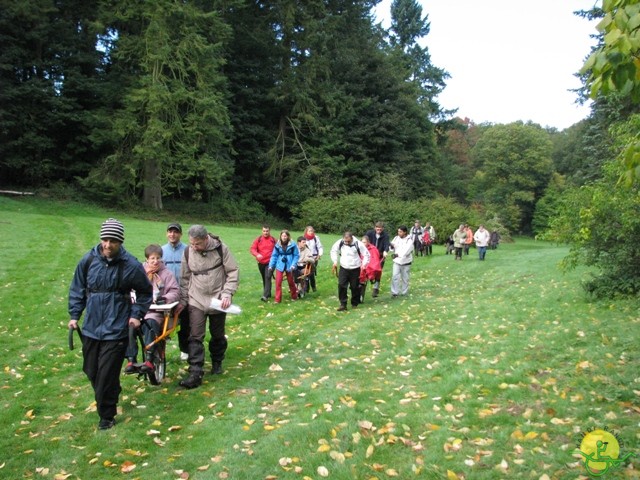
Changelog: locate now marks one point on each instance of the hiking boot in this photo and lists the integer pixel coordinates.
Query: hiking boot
(130, 369)
(192, 381)
(342, 308)
(106, 423)
(147, 367)
(216, 368)
(264, 299)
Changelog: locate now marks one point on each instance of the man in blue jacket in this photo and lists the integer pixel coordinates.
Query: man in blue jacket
(101, 288)
(172, 254)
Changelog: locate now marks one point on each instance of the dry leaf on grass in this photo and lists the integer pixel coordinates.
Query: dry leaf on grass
(127, 466)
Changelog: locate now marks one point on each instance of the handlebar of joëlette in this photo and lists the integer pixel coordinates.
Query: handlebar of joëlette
(71, 336)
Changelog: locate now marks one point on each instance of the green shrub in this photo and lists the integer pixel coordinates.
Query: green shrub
(355, 212)
(238, 210)
(359, 212)
(602, 225)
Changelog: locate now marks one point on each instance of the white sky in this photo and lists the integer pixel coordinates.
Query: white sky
(509, 60)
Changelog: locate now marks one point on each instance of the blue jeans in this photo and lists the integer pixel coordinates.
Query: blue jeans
(482, 252)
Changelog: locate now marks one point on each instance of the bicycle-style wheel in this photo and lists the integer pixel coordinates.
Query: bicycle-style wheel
(159, 361)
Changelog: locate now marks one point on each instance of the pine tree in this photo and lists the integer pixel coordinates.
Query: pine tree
(172, 126)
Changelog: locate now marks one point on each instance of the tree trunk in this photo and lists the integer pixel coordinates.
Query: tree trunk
(152, 190)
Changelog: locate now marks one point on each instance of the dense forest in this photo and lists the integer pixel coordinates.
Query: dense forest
(265, 103)
(307, 111)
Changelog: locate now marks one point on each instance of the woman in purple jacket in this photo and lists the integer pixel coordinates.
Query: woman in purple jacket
(165, 290)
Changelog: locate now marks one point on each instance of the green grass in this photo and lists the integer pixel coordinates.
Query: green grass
(484, 363)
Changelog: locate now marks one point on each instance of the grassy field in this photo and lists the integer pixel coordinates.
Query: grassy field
(485, 370)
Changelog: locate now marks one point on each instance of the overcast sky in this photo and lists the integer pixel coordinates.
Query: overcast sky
(509, 60)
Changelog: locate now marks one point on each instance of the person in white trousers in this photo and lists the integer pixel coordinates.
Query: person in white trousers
(401, 249)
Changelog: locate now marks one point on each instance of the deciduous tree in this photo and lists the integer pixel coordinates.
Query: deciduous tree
(514, 167)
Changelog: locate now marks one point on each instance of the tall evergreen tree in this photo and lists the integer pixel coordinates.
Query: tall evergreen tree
(172, 127)
(408, 27)
(252, 68)
(50, 88)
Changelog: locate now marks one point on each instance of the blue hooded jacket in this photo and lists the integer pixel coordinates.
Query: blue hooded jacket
(284, 259)
(101, 288)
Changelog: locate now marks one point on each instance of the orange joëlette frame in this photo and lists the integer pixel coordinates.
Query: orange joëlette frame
(166, 329)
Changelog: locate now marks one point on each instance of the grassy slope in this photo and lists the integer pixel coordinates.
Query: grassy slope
(487, 369)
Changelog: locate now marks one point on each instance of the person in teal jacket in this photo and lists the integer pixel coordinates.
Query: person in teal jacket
(284, 260)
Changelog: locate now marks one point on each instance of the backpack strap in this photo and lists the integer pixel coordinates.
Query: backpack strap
(118, 286)
(86, 266)
(354, 244)
(217, 249)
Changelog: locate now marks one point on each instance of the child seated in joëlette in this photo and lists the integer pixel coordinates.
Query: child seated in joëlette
(305, 262)
(165, 290)
(306, 257)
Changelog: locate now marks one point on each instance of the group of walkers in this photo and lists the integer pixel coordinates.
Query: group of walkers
(286, 259)
(355, 262)
(423, 238)
(463, 238)
(115, 291)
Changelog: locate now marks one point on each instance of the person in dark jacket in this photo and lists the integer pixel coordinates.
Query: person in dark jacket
(102, 288)
(380, 239)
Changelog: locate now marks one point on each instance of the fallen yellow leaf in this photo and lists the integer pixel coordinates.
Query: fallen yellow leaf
(127, 466)
(61, 476)
(370, 449)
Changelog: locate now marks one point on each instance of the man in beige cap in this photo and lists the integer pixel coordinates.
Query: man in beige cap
(172, 255)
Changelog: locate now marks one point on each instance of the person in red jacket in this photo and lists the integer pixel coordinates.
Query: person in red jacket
(426, 241)
(373, 271)
(469, 240)
(262, 248)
